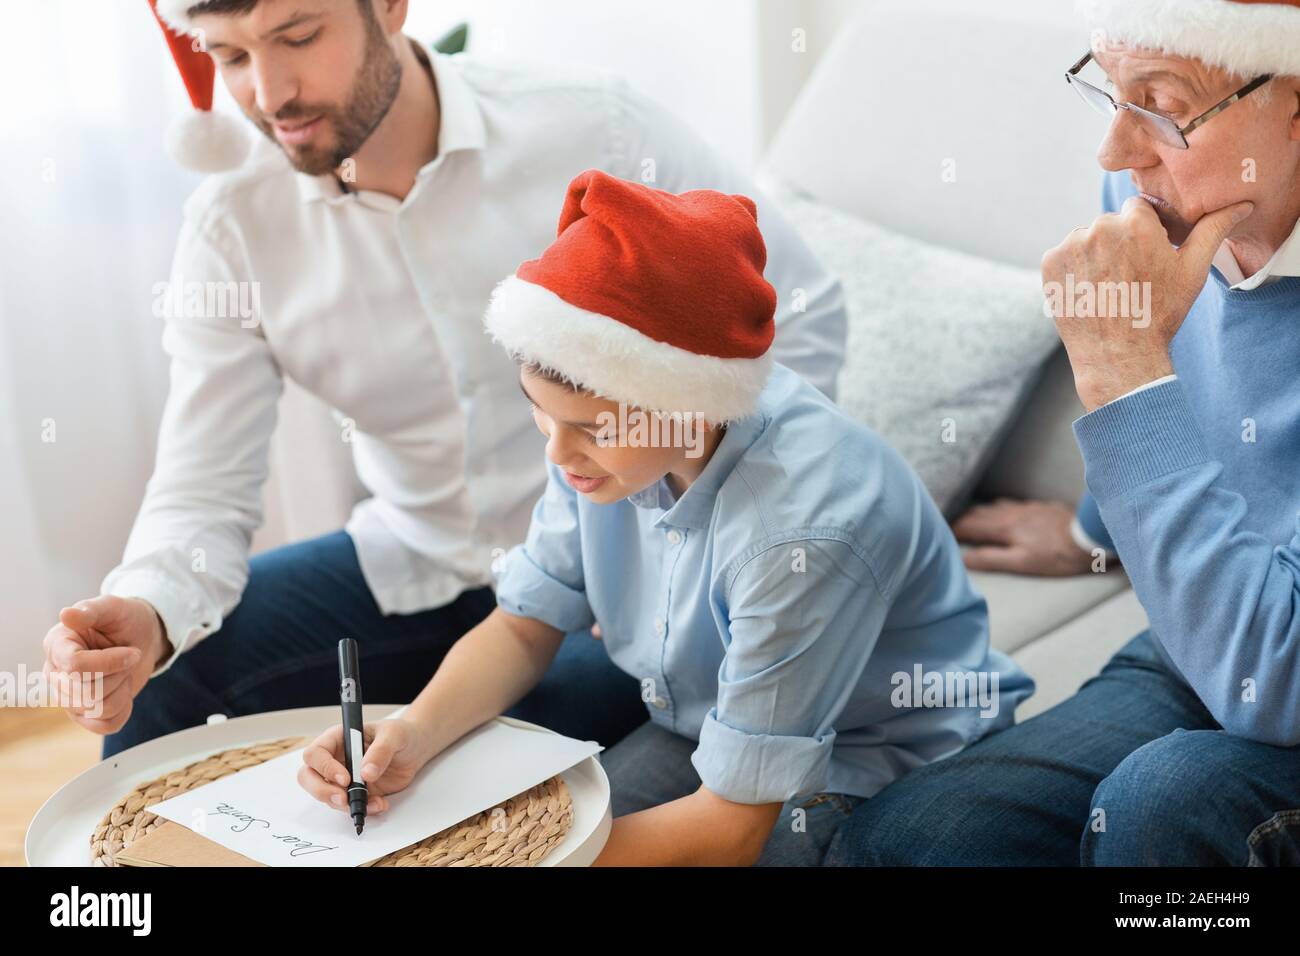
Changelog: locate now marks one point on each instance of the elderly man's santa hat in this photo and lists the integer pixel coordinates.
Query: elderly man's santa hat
(205, 141)
(649, 298)
(1245, 37)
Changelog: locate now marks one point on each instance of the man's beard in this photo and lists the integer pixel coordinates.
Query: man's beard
(372, 95)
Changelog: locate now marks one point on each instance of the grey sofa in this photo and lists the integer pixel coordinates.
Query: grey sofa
(906, 85)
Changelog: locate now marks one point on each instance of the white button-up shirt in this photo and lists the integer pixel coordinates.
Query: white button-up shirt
(375, 305)
(1285, 262)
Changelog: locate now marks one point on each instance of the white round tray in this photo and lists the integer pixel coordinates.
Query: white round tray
(59, 834)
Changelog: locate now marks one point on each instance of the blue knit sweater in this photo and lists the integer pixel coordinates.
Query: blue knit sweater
(1196, 484)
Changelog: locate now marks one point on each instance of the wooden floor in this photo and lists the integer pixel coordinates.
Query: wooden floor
(41, 749)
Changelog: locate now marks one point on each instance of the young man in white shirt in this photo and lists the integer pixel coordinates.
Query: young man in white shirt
(393, 188)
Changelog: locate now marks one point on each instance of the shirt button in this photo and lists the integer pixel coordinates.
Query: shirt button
(660, 703)
(659, 626)
(674, 537)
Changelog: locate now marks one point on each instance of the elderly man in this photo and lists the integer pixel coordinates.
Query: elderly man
(1183, 751)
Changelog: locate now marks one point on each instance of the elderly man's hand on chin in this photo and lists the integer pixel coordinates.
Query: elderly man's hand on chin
(1112, 354)
(1117, 341)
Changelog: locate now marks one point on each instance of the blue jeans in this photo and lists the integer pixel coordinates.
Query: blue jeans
(651, 766)
(1130, 771)
(279, 649)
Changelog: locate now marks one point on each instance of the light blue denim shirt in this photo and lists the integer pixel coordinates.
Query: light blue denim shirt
(801, 611)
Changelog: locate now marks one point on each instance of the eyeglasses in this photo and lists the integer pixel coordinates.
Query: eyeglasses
(1161, 127)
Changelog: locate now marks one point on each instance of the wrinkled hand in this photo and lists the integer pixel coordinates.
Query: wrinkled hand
(1021, 537)
(1113, 354)
(395, 750)
(120, 638)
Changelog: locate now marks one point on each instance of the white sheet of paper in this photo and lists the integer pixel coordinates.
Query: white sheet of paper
(265, 814)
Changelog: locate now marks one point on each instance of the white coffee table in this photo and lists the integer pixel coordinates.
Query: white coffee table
(59, 834)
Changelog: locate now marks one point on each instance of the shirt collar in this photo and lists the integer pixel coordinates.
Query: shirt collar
(460, 126)
(693, 508)
(1285, 262)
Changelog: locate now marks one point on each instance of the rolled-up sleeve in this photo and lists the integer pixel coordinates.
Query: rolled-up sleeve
(804, 617)
(543, 578)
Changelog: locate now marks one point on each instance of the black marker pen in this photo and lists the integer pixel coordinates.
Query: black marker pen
(353, 740)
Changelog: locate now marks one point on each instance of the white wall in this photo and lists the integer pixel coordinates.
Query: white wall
(90, 207)
(792, 36)
(698, 56)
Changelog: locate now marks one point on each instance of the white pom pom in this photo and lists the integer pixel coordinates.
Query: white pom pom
(207, 142)
(175, 13)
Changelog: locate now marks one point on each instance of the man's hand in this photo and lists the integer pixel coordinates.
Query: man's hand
(1021, 537)
(121, 638)
(1113, 354)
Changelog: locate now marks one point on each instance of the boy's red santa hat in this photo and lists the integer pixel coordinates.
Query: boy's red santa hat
(205, 141)
(646, 297)
(1246, 37)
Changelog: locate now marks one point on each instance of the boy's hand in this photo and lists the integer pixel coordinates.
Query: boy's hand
(395, 750)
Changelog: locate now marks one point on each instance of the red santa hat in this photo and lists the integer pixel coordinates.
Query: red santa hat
(204, 140)
(646, 297)
(1245, 37)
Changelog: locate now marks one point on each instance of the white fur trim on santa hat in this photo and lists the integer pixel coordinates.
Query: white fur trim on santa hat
(207, 141)
(1248, 39)
(616, 361)
(175, 13)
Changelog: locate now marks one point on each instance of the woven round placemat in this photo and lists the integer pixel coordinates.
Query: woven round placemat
(518, 832)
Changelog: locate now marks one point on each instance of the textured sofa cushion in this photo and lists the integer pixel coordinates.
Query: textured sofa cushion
(1061, 661)
(1023, 609)
(943, 346)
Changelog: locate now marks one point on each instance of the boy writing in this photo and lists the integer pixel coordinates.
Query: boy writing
(775, 575)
